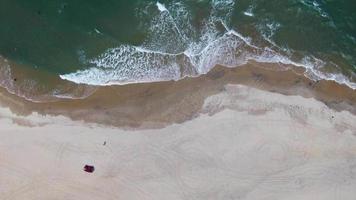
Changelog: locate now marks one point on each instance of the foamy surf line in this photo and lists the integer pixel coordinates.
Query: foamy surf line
(170, 54)
(86, 77)
(130, 64)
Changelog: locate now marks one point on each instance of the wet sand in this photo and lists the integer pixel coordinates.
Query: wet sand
(244, 143)
(154, 105)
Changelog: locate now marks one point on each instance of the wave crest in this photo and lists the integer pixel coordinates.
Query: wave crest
(175, 49)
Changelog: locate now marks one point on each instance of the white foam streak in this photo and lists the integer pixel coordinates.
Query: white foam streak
(250, 14)
(143, 50)
(161, 7)
(233, 32)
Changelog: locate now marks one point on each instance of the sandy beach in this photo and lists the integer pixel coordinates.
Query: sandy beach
(177, 100)
(242, 143)
(156, 105)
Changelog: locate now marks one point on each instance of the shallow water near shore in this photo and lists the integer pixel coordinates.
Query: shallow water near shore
(120, 42)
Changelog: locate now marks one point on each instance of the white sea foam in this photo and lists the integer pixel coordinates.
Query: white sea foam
(314, 5)
(170, 54)
(161, 7)
(267, 29)
(249, 11)
(97, 31)
(5, 74)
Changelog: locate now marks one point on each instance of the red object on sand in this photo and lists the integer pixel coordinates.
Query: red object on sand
(89, 168)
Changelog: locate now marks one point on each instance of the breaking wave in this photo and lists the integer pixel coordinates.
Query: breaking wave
(174, 49)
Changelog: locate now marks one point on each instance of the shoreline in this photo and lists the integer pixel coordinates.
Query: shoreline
(177, 100)
(246, 143)
(158, 104)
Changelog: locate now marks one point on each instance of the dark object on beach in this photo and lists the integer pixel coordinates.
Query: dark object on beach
(89, 168)
(15, 79)
(104, 143)
(332, 117)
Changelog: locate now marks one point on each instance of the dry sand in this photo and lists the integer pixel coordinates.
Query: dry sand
(246, 143)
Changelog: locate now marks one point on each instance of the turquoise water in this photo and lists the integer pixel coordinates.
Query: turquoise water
(116, 42)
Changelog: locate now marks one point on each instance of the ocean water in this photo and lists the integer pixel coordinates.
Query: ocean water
(97, 42)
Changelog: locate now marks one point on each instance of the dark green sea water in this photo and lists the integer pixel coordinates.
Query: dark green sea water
(121, 41)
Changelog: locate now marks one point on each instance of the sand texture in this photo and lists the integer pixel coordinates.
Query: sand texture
(244, 143)
(156, 105)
